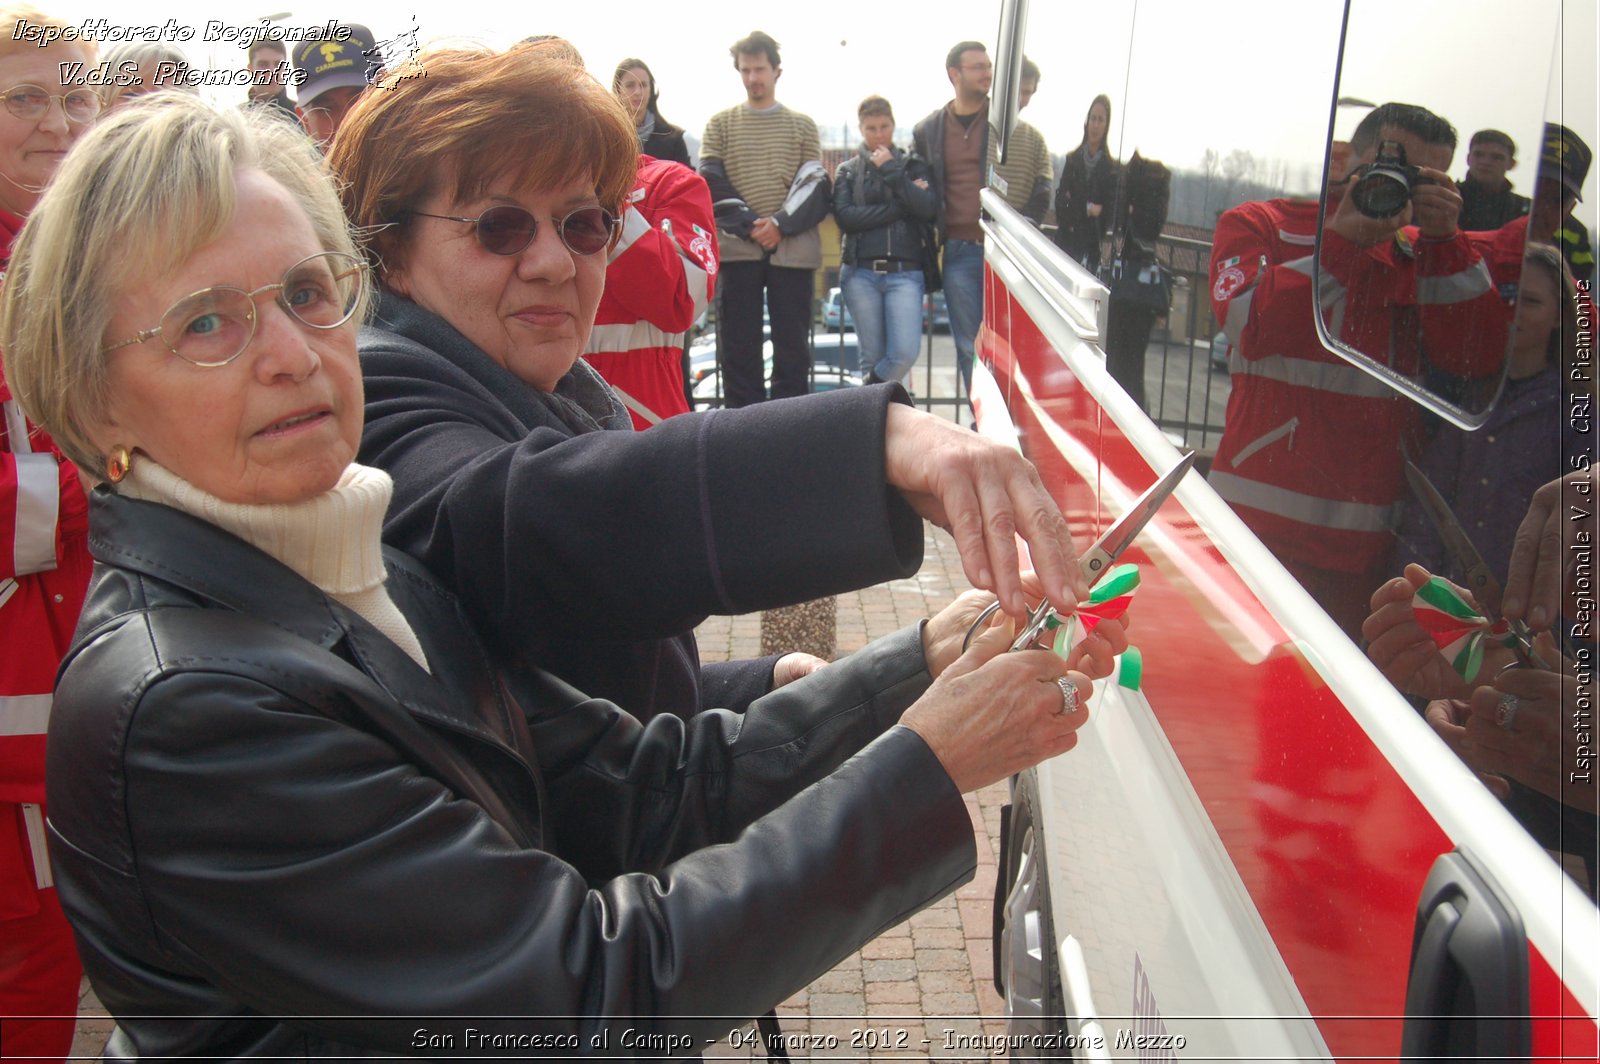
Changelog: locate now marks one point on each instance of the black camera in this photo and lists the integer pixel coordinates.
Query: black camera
(1383, 187)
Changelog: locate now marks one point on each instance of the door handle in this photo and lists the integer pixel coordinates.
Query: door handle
(1467, 994)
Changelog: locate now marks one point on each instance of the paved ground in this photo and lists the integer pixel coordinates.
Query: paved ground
(933, 975)
(918, 981)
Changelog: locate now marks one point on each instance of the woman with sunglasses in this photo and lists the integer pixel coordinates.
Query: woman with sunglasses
(295, 812)
(492, 189)
(44, 563)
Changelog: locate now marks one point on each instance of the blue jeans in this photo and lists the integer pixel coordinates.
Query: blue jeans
(963, 294)
(887, 308)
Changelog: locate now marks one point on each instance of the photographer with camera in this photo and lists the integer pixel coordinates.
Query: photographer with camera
(1310, 455)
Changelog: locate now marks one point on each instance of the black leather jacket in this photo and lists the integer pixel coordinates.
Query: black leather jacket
(271, 827)
(595, 554)
(881, 210)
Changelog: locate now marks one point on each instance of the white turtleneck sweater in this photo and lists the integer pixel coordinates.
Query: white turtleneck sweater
(334, 540)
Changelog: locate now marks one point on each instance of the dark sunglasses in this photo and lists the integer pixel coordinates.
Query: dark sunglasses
(508, 229)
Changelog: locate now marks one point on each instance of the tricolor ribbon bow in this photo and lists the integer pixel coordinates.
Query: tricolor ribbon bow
(1107, 601)
(1459, 630)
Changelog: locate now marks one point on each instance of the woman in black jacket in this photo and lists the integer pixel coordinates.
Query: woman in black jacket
(498, 435)
(658, 138)
(1088, 186)
(884, 202)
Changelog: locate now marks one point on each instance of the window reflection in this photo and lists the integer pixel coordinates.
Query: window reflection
(1420, 291)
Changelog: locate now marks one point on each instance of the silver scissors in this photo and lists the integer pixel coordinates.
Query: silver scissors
(1097, 559)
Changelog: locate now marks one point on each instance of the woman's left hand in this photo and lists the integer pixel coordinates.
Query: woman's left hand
(985, 495)
(795, 666)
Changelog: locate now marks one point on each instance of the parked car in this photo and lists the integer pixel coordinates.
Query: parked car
(1220, 346)
(702, 357)
(703, 352)
(833, 313)
(935, 309)
(841, 349)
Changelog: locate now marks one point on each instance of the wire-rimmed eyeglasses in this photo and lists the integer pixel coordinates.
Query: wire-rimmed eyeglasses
(213, 326)
(30, 102)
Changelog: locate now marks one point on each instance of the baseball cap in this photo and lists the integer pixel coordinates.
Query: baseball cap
(1565, 157)
(350, 63)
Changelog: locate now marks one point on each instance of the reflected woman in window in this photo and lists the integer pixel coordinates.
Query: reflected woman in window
(1088, 183)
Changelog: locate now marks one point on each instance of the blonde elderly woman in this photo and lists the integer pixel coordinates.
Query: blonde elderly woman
(291, 802)
(44, 563)
(493, 189)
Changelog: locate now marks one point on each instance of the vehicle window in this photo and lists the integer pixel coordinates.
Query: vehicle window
(1311, 367)
(1441, 276)
(1423, 154)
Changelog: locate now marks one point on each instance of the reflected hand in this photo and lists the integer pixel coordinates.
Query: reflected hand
(1400, 648)
(992, 714)
(985, 495)
(1447, 718)
(1362, 231)
(1527, 744)
(1435, 206)
(1536, 578)
(795, 666)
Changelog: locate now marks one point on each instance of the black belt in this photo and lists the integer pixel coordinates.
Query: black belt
(888, 265)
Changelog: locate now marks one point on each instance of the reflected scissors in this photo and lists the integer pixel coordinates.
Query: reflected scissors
(1098, 558)
(1475, 571)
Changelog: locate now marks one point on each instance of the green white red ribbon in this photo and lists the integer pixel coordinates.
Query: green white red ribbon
(1108, 600)
(1456, 627)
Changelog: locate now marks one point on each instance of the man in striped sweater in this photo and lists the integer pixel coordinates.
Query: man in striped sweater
(764, 165)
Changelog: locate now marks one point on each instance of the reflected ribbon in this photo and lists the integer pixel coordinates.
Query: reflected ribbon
(1457, 629)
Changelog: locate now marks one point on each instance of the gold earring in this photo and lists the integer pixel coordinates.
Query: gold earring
(118, 459)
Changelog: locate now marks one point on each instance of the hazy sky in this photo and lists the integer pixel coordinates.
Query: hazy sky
(1225, 75)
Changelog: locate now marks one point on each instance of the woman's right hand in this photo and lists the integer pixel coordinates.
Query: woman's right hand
(992, 714)
(985, 495)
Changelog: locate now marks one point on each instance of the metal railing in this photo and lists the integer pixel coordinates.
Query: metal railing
(844, 367)
(1187, 396)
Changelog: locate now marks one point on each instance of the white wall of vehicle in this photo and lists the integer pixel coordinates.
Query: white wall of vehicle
(1172, 927)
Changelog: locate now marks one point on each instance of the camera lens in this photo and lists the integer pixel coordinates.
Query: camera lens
(1381, 193)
